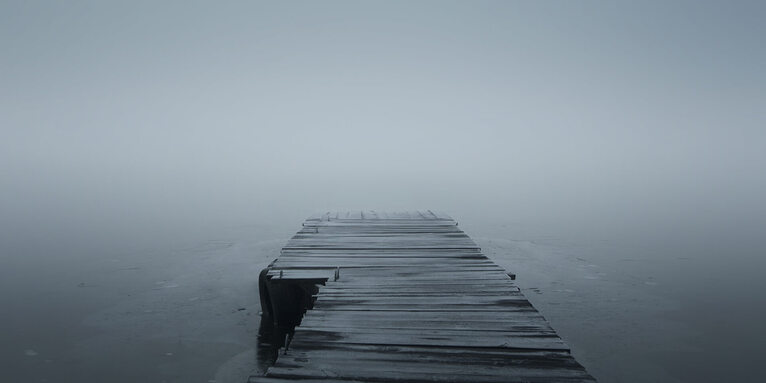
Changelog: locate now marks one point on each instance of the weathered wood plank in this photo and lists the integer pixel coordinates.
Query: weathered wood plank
(303, 336)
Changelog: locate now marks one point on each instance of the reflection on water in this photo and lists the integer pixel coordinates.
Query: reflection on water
(271, 339)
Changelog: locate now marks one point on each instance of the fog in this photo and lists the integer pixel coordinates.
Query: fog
(125, 126)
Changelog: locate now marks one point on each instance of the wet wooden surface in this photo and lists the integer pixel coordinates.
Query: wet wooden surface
(415, 301)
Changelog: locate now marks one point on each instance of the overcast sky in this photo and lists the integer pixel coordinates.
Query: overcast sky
(571, 112)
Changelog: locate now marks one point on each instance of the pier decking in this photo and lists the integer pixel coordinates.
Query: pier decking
(408, 297)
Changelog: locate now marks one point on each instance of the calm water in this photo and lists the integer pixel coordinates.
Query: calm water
(183, 307)
(644, 312)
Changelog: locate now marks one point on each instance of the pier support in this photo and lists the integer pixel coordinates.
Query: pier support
(284, 300)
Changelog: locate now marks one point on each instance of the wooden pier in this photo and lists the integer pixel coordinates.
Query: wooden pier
(404, 297)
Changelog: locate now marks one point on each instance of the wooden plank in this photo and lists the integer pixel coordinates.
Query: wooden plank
(418, 372)
(486, 327)
(444, 354)
(388, 337)
(350, 262)
(503, 315)
(362, 224)
(474, 300)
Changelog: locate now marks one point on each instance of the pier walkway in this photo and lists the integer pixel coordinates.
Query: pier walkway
(407, 297)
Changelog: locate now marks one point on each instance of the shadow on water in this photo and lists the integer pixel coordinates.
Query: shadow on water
(271, 338)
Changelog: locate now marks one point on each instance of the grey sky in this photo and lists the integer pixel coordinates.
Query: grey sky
(565, 112)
